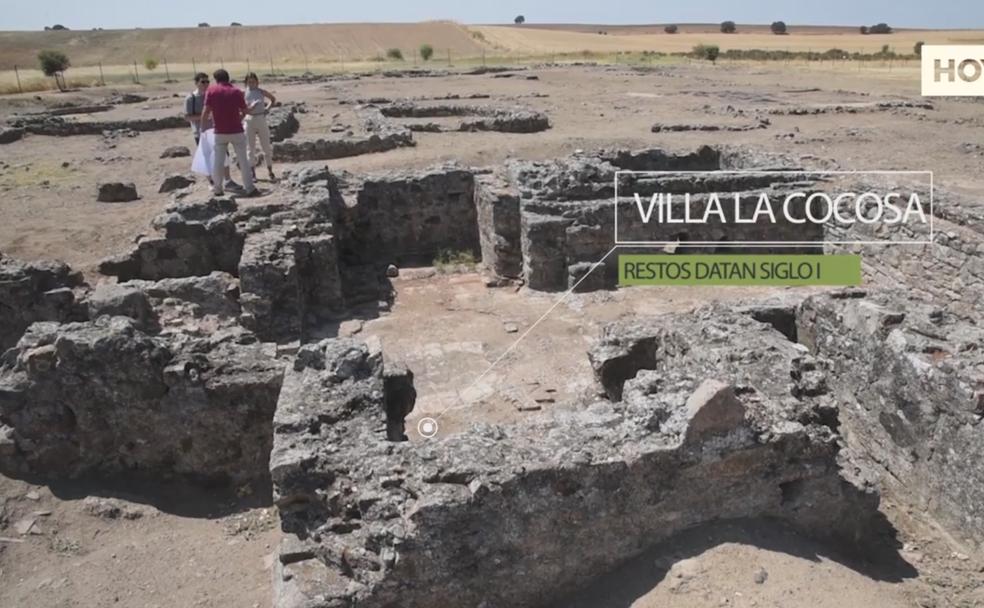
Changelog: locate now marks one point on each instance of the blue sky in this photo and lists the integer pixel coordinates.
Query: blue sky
(76, 14)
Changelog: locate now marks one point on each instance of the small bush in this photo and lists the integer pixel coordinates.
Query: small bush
(778, 28)
(53, 64)
(864, 30)
(151, 64)
(728, 27)
(709, 52)
(426, 52)
(880, 28)
(671, 29)
(58, 27)
(917, 49)
(235, 24)
(519, 20)
(449, 260)
(203, 24)
(394, 54)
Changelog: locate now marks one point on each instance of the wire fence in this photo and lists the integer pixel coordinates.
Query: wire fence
(23, 79)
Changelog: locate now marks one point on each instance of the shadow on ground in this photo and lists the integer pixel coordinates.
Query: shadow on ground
(877, 558)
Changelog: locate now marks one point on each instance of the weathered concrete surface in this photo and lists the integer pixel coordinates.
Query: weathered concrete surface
(907, 374)
(104, 398)
(36, 291)
(516, 516)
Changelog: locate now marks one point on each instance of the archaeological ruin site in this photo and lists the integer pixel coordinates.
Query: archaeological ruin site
(441, 249)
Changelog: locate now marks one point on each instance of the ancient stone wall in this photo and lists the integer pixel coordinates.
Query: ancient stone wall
(60, 127)
(380, 136)
(722, 430)
(103, 397)
(910, 391)
(35, 291)
(408, 218)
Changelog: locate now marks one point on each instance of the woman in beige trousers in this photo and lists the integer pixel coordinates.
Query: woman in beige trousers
(256, 124)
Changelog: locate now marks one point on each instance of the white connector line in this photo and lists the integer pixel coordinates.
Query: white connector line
(526, 333)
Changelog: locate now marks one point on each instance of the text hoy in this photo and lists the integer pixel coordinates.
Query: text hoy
(796, 208)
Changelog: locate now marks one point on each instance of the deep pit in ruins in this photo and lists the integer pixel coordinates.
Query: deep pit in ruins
(264, 342)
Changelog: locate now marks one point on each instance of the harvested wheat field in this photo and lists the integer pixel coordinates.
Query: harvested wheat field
(284, 43)
(535, 39)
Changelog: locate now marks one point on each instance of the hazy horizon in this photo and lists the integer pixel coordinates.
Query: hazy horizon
(109, 14)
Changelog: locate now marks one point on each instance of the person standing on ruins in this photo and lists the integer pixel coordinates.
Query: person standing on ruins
(194, 106)
(225, 106)
(256, 124)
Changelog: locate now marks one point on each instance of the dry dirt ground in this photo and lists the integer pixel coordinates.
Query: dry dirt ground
(206, 549)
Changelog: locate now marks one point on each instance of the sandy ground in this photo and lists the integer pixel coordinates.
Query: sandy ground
(203, 549)
(49, 208)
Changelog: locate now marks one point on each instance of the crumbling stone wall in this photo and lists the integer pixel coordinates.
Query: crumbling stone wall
(487, 118)
(380, 136)
(908, 381)
(949, 269)
(35, 291)
(198, 238)
(407, 218)
(724, 428)
(60, 127)
(566, 219)
(103, 397)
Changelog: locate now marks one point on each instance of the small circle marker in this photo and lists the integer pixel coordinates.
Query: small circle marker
(427, 427)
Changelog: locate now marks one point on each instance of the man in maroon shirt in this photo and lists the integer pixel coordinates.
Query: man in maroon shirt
(225, 106)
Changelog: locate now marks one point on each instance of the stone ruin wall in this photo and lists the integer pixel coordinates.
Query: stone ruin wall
(707, 434)
(144, 376)
(910, 389)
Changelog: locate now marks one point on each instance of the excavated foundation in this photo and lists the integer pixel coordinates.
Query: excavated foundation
(214, 357)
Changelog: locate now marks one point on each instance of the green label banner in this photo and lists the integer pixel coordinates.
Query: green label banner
(746, 269)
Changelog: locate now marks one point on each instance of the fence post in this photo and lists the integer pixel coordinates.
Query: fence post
(167, 72)
(271, 66)
(102, 79)
(136, 74)
(194, 66)
(17, 74)
(449, 57)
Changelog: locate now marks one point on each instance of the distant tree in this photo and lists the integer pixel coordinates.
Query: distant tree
(203, 24)
(426, 52)
(235, 24)
(47, 28)
(671, 29)
(709, 52)
(779, 28)
(917, 49)
(864, 30)
(519, 20)
(728, 27)
(53, 64)
(880, 28)
(59, 27)
(150, 63)
(394, 54)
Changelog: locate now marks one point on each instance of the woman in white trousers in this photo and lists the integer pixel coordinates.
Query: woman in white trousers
(255, 122)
